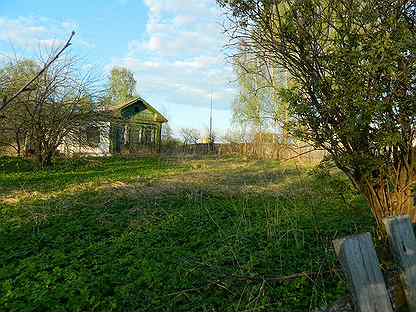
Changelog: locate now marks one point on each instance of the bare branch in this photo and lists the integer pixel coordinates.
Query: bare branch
(6, 102)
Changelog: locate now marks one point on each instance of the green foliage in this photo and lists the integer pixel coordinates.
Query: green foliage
(13, 164)
(353, 64)
(122, 85)
(116, 234)
(258, 104)
(354, 91)
(248, 106)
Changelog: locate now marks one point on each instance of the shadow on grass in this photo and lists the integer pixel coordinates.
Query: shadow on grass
(127, 170)
(179, 244)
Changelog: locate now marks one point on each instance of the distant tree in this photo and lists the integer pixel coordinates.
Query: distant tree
(353, 64)
(190, 136)
(122, 85)
(167, 133)
(168, 140)
(249, 106)
(231, 137)
(168, 137)
(258, 105)
(236, 135)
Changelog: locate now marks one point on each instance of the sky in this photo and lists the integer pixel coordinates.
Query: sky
(175, 48)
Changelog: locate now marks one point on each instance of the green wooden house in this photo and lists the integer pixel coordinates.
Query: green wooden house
(136, 127)
(133, 127)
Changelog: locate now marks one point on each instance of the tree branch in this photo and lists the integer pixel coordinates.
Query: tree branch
(6, 101)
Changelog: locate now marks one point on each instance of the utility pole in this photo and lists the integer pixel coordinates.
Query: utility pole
(210, 120)
(211, 141)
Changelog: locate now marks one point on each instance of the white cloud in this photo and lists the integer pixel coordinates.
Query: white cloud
(154, 44)
(20, 31)
(180, 60)
(183, 20)
(69, 26)
(182, 26)
(32, 33)
(190, 81)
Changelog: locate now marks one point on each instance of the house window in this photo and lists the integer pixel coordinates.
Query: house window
(93, 136)
(148, 135)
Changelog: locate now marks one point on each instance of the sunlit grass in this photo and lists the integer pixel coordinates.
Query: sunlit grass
(172, 235)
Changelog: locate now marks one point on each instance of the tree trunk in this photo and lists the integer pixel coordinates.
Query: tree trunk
(48, 154)
(48, 159)
(390, 196)
(18, 149)
(40, 159)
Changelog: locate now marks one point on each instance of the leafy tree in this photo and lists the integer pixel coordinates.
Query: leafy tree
(249, 106)
(354, 72)
(122, 85)
(258, 104)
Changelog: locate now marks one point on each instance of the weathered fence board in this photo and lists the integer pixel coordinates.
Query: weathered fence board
(362, 268)
(403, 244)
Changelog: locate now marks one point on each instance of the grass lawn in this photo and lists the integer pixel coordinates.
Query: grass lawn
(172, 235)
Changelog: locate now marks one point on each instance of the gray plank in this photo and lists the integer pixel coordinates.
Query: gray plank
(362, 269)
(403, 245)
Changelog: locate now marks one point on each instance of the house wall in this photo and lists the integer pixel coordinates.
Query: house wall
(136, 138)
(102, 149)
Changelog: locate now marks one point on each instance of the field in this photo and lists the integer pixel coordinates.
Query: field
(172, 235)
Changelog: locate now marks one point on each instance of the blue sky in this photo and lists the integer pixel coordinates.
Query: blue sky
(174, 48)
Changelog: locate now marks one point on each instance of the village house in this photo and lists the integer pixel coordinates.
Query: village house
(134, 127)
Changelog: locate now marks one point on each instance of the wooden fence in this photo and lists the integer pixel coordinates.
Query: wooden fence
(191, 149)
(273, 151)
(361, 266)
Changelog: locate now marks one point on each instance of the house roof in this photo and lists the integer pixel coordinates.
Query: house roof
(136, 99)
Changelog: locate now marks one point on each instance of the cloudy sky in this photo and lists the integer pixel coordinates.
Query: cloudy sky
(174, 47)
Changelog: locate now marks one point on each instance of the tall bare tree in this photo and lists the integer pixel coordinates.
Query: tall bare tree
(190, 135)
(60, 105)
(14, 124)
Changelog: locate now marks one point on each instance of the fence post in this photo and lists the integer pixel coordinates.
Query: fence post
(403, 245)
(361, 266)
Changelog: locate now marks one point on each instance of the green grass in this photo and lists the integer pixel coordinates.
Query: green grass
(167, 235)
